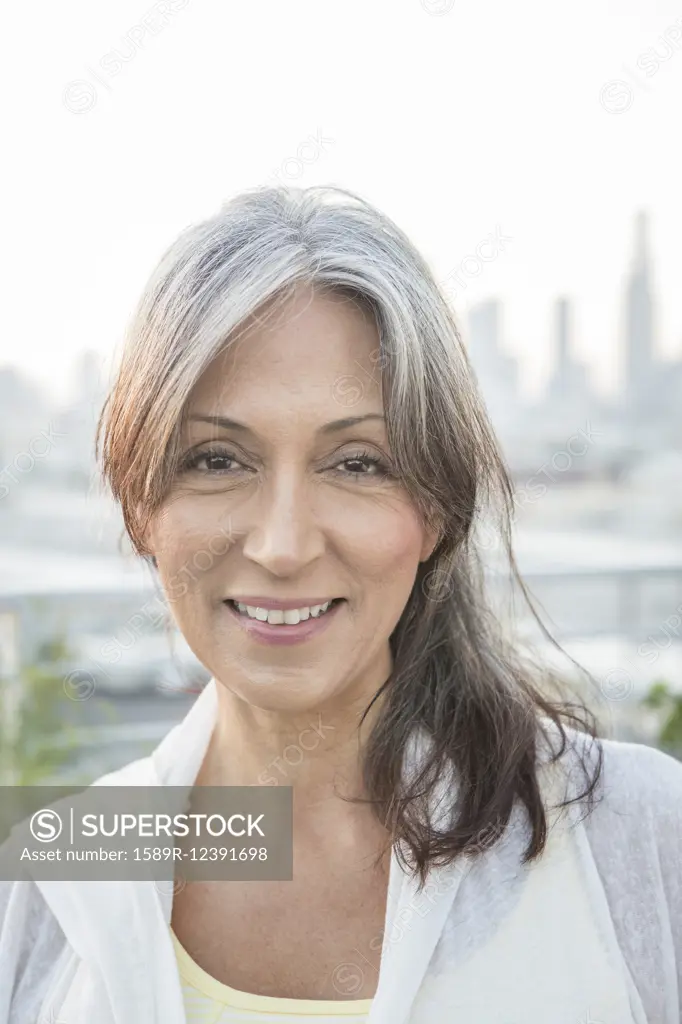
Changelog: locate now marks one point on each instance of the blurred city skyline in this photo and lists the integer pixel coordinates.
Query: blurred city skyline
(552, 128)
(644, 412)
(662, 349)
(639, 350)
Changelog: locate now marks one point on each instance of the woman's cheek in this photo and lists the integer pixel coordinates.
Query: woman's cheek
(387, 542)
(187, 540)
(176, 588)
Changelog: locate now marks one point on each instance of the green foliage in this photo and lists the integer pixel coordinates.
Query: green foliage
(45, 742)
(661, 699)
(50, 726)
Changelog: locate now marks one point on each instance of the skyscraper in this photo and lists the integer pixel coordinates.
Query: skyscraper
(496, 370)
(569, 389)
(640, 368)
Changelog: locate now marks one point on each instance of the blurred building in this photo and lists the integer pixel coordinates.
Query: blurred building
(640, 367)
(569, 395)
(24, 412)
(652, 394)
(497, 373)
(74, 458)
(644, 421)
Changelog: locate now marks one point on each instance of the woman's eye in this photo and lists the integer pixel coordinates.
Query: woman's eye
(220, 463)
(211, 462)
(363, 465)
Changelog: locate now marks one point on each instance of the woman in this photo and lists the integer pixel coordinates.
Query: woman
(297, 444)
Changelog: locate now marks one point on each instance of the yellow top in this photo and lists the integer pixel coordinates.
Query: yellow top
(208, 1001)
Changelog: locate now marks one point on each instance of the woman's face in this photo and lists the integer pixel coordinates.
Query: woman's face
(285, 500)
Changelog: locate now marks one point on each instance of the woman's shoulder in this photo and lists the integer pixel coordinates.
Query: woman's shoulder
(636, 780)
(633, 779)
(642, 778)
(634, 824)
(634, 838)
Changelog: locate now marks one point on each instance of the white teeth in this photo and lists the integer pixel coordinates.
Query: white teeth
(278, 616)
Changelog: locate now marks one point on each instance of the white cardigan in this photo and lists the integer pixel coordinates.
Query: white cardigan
(592, 932)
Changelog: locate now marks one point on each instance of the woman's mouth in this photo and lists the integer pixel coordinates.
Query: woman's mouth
(284, 625)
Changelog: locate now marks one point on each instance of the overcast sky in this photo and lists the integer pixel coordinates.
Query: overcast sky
(549, 123)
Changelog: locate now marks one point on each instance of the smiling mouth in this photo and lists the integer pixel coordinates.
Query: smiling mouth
(283, 617)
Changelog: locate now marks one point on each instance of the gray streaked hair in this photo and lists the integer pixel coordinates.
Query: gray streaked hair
(454, 673)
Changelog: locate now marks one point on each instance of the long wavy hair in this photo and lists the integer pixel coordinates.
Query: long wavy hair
(457, 673)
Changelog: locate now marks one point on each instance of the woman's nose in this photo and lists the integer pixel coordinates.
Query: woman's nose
(283, 534)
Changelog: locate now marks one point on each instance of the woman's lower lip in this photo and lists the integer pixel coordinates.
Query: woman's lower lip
(269, 634)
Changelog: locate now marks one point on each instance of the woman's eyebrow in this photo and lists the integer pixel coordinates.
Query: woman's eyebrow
(350, 421)
(328, 428)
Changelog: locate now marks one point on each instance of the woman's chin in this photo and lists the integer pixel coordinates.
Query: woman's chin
(284, 695)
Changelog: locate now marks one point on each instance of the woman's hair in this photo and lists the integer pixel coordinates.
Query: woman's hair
(456, 673)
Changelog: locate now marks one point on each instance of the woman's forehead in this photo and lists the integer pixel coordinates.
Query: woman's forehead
(307, 353)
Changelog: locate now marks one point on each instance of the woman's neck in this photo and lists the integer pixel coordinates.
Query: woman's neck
(250, 746)
(319, 754)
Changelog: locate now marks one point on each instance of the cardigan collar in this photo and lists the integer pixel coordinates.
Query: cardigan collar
(109, 923)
